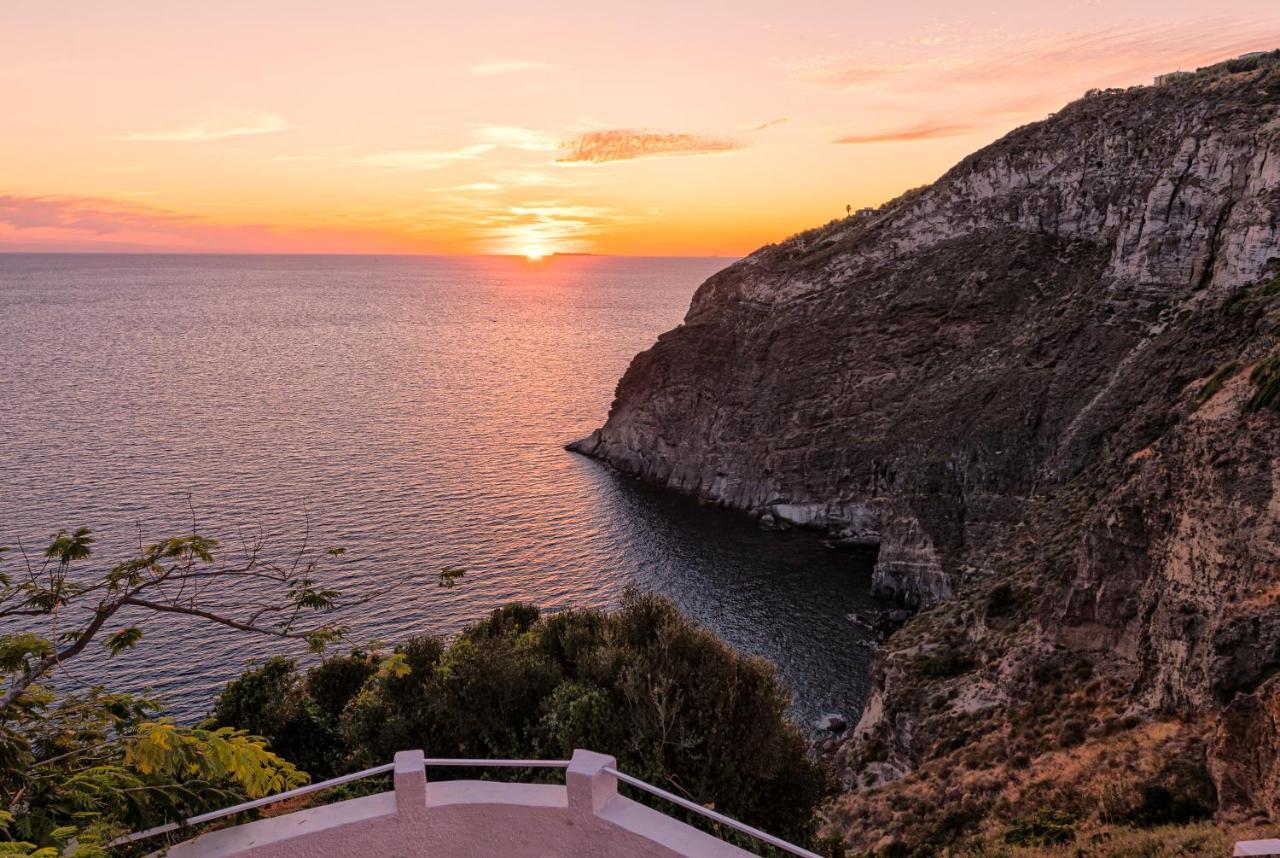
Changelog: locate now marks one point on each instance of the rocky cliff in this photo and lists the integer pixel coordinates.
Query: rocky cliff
(1044, 387)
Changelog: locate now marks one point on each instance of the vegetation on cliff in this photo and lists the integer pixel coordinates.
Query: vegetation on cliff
(81, 765)
(674, 704)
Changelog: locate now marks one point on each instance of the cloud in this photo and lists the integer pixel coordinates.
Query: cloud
(515, 137)
(1099, 57)
(265, 124)
(1118, 54)
(424, 159)
(475, 187)
(843, 72)
(532, 178)
(496, 67)
(81, 214)
(625, 144)
(78, 223)
(763, 125)
(927, 130)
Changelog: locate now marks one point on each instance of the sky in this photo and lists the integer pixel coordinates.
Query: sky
(655, 128)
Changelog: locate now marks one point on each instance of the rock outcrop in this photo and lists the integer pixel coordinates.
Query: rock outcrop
(1032, 384)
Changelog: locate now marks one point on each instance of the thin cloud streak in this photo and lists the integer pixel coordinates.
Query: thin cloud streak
(1107, 55)
(82, 214)
(928, 130)
(625, 144)
(60, 223)
(939, 127)
(515, 137)
(267, 124)
(424, 159)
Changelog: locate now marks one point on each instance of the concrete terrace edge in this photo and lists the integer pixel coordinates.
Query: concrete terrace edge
(585, 817)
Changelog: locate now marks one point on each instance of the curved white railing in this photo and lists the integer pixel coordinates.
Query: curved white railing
(250, 805)
(711, 814)
(323, 785)
(685, 803)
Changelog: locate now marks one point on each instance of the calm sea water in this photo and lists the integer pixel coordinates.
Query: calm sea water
(411, 410)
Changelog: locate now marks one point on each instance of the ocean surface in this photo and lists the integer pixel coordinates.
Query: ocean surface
(409, 409)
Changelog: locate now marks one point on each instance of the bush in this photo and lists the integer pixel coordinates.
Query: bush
(1004, 601)
(1214, 384)
(943, 665)
(1073, 733)
(674, 704)
(271, 700)
(1266, 377)
(1162, 806)
(1046, 827)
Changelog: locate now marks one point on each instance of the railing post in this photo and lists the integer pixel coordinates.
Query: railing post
(411, 783)
(590, 786)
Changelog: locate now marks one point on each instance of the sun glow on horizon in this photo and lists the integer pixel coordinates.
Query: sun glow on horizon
(605, 140)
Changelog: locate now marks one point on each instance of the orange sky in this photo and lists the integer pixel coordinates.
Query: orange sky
(638, 128)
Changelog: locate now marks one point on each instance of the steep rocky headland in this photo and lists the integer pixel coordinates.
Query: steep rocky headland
(1045, 387)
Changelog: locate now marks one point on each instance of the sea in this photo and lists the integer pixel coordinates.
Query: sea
(409, 410)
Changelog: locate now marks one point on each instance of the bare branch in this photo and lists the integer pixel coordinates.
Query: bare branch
(212, 617)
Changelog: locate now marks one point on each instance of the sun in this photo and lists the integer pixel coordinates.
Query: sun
(534, 252)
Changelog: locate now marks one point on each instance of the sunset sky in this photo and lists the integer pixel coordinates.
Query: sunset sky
(516, 127)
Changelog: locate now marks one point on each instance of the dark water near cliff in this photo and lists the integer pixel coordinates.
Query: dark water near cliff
(411, 410)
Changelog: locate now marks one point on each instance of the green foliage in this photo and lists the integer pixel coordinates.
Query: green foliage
(333, 682)
(1005, 603)
(272, 700)
(1160, 805)
(943, 665)
(1181, 792)
(18, 651)
(1266, 378)
(1214, 384)
(90, 766)
(123, 640)
(450, 575)
(77, 769)
(1046, 827)
(223, 754)
(675, 705)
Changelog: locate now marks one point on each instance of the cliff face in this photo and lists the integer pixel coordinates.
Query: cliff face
(1030, 384)
(910, 378)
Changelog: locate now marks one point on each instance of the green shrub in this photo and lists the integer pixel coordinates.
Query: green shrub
(1072, 733)
(1162, 806)
(1004, 602)
(1046, 827)
(1266, 377)
(1214, 384)
(335, 681)
(943, 665)
(271, 700)
(674, 704)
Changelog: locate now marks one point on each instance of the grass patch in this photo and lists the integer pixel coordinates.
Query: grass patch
(1046, 827)
(1265, 377)
(1214, 384)
(942, 665)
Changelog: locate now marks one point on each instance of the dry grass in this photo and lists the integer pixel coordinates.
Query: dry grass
(1169, 841)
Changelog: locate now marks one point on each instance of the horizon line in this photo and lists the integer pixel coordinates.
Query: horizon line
(404, 255)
